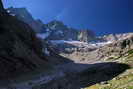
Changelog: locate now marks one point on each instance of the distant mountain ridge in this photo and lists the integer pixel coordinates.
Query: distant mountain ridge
(56, 29)
(64, 39)
(115, 37)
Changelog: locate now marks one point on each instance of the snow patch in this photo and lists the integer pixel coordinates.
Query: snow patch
(59, 32)
(67, 41)
(8, 11)
(53, 27)
(101, 43)
(79, 43)
(13, 14)
(46, 51)
(47, 30)
(43, 35)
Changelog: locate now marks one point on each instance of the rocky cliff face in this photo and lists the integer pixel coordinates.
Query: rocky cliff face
(86, 35)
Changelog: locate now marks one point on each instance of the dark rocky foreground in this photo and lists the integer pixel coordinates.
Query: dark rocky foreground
(20, 50)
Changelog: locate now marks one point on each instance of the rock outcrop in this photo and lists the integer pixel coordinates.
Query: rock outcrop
(86, 35)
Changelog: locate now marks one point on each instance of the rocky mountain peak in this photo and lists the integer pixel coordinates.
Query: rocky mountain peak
(24, 15)
(56, 22)
(56, 25)
(21, 13)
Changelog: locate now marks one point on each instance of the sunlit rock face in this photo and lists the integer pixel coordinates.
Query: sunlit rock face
(86, 35)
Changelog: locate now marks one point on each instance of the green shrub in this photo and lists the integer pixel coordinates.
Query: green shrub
(130, 52)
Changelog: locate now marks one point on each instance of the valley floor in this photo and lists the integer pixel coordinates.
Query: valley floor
(107, 74)
(78, 71)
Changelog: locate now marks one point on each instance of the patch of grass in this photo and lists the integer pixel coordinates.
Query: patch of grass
(93, 87)
(130, 51)
(122, 81)
(111, 58)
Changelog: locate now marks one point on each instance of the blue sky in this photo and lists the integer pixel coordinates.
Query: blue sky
(101, 16)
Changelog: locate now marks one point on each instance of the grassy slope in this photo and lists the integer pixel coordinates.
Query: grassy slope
(124, 80)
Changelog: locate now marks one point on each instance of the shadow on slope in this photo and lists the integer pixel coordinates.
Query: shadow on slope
(101, 72)
(79, 76)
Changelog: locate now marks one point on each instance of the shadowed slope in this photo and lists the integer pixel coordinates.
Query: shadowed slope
(79, 76)
(20, 50)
